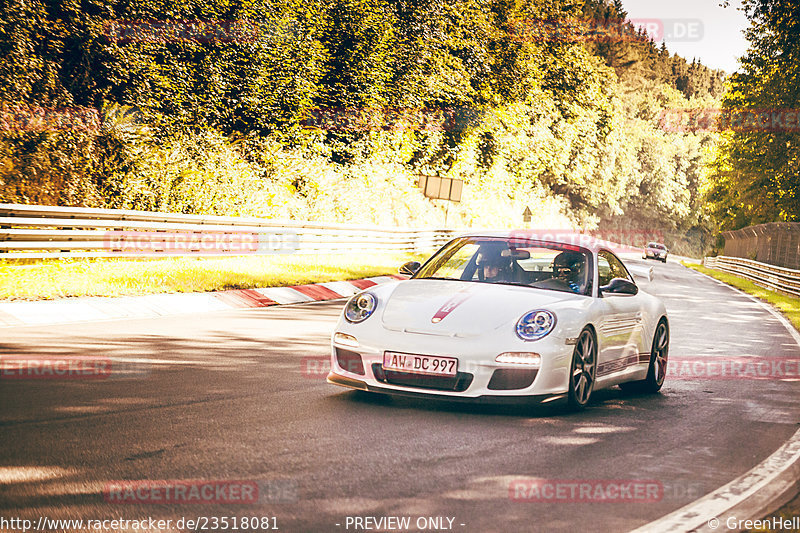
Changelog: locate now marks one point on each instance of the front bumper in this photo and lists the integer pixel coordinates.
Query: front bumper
(356, 384)
(479, 375)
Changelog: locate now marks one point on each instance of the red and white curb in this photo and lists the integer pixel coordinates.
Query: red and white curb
(91, 309)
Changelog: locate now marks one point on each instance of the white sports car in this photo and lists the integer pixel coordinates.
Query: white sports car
(504, 316)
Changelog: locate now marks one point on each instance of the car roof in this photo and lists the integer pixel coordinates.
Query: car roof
(572, 237)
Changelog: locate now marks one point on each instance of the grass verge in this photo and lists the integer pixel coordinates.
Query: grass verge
(788, 305)
(42, 280)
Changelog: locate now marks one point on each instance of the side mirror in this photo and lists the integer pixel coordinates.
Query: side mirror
(620, 286)
(410, 268)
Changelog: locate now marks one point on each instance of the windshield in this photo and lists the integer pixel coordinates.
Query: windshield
(656, 246)
(512, 261)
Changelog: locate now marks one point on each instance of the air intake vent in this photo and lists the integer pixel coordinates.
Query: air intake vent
(350, 361)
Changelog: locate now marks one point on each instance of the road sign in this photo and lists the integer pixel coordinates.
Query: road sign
(441, 188)
(526, 215)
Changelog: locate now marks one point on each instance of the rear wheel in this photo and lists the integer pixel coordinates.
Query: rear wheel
(582, 370)
(657, 370)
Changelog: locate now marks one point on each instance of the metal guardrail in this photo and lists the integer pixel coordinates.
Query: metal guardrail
(770, 277)
(35, 232)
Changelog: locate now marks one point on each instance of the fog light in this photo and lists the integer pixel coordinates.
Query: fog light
(520, 358)
(345, 340)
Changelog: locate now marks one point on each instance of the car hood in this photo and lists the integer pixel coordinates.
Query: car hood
(465, 309)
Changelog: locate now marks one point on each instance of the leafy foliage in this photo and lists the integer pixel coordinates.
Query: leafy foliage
(756, 174)
(203, 124)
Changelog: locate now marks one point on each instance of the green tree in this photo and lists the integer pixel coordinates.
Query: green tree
(757, 173)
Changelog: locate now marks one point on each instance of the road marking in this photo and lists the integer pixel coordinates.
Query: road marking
(755, 493)
(771, 310)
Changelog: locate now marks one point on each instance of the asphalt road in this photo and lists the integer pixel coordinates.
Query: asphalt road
(234, 396)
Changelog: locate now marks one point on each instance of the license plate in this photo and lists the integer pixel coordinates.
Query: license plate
(420, 364)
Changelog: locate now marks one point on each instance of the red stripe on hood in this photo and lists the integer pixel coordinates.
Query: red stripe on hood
(450, 305)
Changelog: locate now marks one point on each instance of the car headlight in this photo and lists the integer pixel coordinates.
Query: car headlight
(360, 307)
(535, 325)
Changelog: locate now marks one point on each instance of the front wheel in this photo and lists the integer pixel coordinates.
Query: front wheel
(582, 370)
(657, 370)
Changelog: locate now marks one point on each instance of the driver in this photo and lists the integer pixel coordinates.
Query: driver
(569, 267)
(494, 268)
